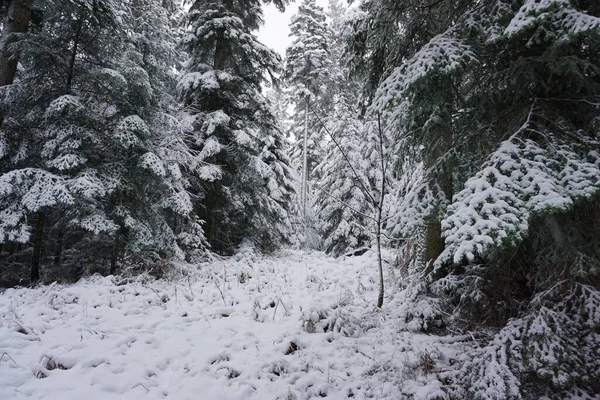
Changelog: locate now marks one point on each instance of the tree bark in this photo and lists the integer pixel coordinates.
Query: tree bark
(16, 21)
(115, 253)
(59, 247)
(37, 247)
(380, 212)
(71, 71)
(434, 242)
(305, 162)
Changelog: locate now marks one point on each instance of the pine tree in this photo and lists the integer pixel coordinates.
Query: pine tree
(390, 44)
(247, 173)
(307, 72)
(100, 167)
(515, 82)
(343, 209)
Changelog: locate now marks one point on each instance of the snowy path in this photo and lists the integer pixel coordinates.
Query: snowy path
(291, 326)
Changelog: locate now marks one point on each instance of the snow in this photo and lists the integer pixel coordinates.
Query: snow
(153, 163)
(559, 13)
(294, 325)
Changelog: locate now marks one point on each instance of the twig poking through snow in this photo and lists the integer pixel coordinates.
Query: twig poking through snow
(8, 356)
(284, 307)
(220, 291)
(142, 385)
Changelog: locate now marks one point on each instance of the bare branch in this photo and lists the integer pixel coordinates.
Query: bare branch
(366, 191)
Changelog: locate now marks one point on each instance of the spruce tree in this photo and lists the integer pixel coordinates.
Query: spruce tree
(517, 81)
(248, 180)
(307, 71)
(342, 207)
(100, 168)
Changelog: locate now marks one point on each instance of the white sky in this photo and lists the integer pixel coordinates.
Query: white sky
(275, 32)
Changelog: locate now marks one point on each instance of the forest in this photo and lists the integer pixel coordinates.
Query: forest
(420, 174)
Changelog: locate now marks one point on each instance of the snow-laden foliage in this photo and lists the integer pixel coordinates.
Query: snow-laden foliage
(441, 55)
(415, 201)
(343, 207)
(98, 142)
(307, 58)
(520, 180)
(556, 20)
(246, 181)
(25, 191)
(554, 345)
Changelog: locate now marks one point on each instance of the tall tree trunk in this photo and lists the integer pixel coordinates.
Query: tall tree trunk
(37, 247)
(59, 247)
(71, 70)
(305, 162)
(434, 242)
(115, 253)
(16, 21)
(380, 212)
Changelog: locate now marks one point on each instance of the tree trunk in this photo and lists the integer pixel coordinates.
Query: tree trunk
(305, 162)
(434, 242)
(380, 212)
(115, 253)
(71, 71)
(59, 247)
(37, 247)
(379, 260)
(16, 21)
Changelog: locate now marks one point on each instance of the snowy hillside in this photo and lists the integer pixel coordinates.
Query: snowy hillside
(291, 326)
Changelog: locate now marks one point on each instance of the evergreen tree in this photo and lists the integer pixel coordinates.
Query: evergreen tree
(247, 173)
(343, 209)
(389, 45)
(514, 86)
(307, 72)
(99, 167)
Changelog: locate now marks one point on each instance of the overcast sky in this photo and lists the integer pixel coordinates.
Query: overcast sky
(275, 32)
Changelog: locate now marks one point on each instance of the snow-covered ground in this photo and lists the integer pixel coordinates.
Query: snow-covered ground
(295, 325)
